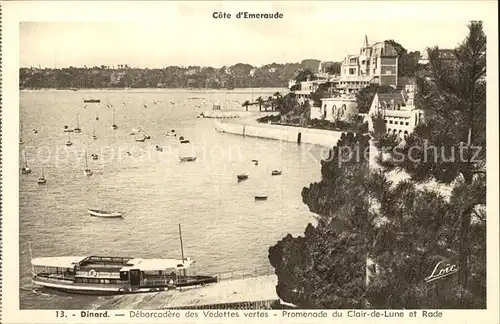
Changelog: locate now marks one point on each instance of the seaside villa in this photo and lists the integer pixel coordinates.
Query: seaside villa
(398, 110)
(377, 63)
(337, 108)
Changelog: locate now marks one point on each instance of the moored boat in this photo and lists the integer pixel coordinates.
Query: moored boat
(25, 169)
(187, 158)
(104, 214)
(91, 100)
(276, 172)
(111, 275)
(42, 179)
(242, 176)
(141, 139)
(114, 126)
(260, 197)
(87, 172)
(68, 142)
(77, 128)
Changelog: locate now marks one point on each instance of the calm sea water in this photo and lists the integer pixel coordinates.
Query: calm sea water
(223, 227)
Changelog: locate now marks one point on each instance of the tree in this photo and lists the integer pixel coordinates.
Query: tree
(333, 68)
(452, 138)
(246, 104)
(304, 75)
(270, 101)
(406, 229)
(325, 268)
(260, 101)
(325, 90)
(407, 62)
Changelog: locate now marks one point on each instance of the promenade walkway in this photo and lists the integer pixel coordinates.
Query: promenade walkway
(256, 290)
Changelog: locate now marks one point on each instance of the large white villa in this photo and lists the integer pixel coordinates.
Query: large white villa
(398, 110)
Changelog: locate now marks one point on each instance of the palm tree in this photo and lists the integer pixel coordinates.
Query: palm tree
(260, 101)
(246, 104)
(270, 100)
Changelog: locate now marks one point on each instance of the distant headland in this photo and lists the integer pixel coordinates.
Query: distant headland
(240, 75)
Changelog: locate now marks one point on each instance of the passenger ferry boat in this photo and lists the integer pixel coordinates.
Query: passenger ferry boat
(101, 275)
(109, 275)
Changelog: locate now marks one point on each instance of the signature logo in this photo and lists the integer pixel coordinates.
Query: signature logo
(441, 270)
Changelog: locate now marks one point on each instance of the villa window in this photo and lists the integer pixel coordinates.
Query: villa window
(333, 109)
(385, 121)
(352, 71)
(407, 123)
(390, 121)
(400, 123)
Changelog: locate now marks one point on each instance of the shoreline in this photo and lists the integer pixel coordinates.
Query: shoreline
(235, 90)
(252, 128)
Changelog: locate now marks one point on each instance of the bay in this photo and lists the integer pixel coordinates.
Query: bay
(224, 228)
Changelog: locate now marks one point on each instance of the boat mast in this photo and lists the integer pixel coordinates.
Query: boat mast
(77, 120)
(182, 247)
(86, 163)
(31, 257)
(25, 159)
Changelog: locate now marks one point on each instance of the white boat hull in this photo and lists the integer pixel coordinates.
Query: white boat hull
(98, 213)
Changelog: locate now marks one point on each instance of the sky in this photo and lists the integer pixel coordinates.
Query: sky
(190, 35)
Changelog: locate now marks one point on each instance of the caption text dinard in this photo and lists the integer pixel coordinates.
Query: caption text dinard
(141, 314)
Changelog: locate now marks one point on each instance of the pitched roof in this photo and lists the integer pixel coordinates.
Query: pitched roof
(388, 97)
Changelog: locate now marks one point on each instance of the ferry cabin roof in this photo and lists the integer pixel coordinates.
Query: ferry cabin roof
(69, 262)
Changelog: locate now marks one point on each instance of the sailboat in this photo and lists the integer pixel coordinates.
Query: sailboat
(114, 124)
(25, 169)
(77, 128)
(21, 134)
(68, 142)
(93, 134)
(42, 179)
(96, 115)
(87, 172)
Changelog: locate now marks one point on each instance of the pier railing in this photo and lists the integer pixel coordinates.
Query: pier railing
(245, 273)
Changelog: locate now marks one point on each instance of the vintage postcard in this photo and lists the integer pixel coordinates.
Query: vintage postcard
(302, 162)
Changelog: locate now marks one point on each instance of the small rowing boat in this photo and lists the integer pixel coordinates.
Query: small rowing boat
(187, 158)
(104, 214)
(276, 172)
(260, 197)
